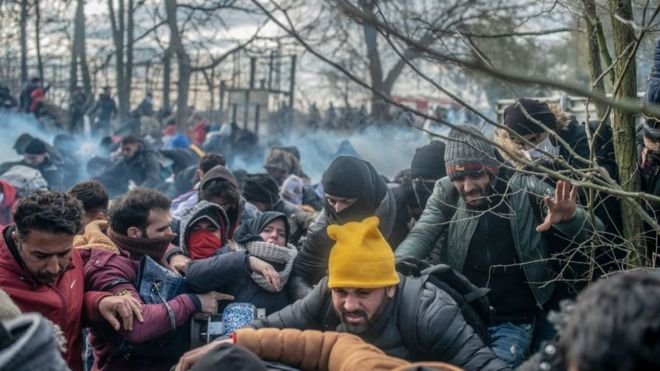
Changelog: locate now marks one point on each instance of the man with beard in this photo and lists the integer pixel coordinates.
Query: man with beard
(139, 163)
(42, 272)
(353, 191)
(139, 225)
(490, 218)
(362, 295)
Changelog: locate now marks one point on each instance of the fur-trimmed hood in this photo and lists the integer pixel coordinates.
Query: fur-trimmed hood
(502, 137)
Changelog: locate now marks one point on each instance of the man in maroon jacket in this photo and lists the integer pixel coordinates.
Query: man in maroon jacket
(139, 225)
(41, 271)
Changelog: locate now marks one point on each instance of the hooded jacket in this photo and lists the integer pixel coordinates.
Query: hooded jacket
(230, 272)
(441, 329)
(374, 196)
(65, 302)
(201, 209)
(143, 169)
(236, 215)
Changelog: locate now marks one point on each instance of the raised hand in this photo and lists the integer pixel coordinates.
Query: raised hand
(562, 207)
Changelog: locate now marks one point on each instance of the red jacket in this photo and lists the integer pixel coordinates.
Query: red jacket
(64, 302)
(107, 271)
(7, 204)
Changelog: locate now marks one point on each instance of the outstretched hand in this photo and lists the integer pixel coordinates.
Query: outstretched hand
(562, 207)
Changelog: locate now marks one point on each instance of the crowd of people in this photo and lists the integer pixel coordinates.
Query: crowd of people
(469, 259)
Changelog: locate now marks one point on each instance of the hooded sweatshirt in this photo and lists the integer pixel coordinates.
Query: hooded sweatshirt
(237, 214)
(202, 210)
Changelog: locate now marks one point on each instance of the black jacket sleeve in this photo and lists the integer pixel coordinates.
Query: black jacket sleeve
(443, 332)
(311, 264)
(151, 170)
(304, 314)
(216, 272)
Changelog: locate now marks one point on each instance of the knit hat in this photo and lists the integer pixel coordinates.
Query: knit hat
(21, 142)
(361, 257)
(347, 176)
(261, 188)
(517, 121)
(292, 189)
(35, 147)
(429, 161)
(466, 154)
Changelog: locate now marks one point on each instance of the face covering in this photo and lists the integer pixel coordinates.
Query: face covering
(423, 190)
(139, 247)
(539, 151)
(203, 243)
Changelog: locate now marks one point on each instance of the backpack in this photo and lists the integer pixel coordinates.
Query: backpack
(25, 179)
(470, 299)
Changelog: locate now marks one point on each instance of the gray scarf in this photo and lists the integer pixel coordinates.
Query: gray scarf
(271, 253)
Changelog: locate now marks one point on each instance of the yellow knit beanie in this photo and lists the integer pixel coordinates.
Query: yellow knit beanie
(361, 258)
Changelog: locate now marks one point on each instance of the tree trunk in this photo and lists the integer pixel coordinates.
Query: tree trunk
(82, 52)
(118, 36)
(183, 61)
(167, 73)
(37, 33)
(378, 105)
(595, 67)
(623, 126)
(23, 36)
(130, 42)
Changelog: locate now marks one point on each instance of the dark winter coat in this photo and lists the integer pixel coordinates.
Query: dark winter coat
(312, 262)
(143, 169)
(230, 273)
(531, 247)
(105, 107)
(441, 330)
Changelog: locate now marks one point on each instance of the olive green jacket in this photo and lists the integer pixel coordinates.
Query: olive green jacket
(446, 212)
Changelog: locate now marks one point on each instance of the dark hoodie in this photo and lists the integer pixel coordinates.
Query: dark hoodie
(203, 209)
(348, 177)
(235, 214)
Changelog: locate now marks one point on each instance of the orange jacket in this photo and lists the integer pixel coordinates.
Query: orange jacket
(315, 350)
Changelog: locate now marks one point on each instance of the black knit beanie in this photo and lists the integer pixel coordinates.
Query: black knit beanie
(515, 119)
(465, 154)
(429, 161)
(35, 147)
(261, 188)
(347, 176)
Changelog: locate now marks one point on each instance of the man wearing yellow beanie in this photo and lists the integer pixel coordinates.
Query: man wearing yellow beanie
(361, 295)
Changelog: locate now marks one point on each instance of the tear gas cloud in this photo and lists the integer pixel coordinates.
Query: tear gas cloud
(389, 149)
